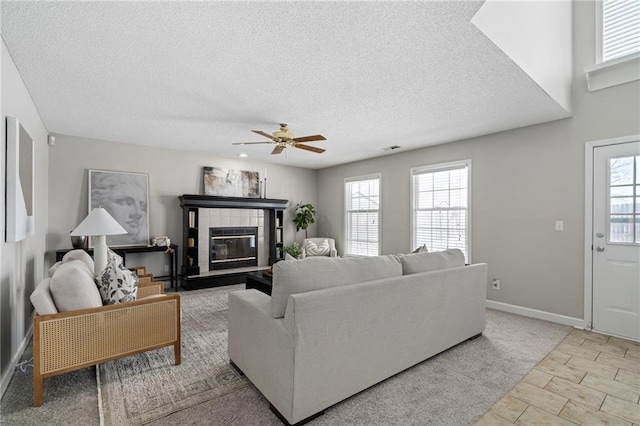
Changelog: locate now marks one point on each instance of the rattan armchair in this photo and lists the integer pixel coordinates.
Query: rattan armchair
(69, 341)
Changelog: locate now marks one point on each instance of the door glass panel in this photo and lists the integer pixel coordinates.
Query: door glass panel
(624, 199)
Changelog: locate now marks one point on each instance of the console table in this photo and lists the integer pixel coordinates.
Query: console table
(122, 251)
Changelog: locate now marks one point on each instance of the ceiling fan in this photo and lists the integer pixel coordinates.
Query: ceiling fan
(283, 138)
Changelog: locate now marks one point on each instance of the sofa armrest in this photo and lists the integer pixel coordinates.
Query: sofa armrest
(261, 346)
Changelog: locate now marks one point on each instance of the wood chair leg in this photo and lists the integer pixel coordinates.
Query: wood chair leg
(177, 352)
(38, 388)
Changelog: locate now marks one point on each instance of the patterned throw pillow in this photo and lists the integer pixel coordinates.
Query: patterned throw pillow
(422, 248)
(116, 283)
(314, 249)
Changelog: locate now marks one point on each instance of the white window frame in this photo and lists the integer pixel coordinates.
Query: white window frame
(441, 167)
(347, 180)
(615, 71)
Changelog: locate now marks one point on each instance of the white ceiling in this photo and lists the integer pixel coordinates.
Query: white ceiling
(200, 75)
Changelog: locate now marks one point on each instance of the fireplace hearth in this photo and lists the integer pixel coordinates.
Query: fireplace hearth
(233, 247)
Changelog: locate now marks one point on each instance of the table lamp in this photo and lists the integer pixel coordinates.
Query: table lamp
(99, 223)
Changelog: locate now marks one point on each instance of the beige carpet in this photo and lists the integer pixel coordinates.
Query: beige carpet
(149, 386)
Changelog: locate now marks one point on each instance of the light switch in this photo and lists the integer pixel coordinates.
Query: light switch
(559, 225)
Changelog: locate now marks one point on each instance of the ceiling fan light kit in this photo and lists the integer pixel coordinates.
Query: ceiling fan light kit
(283, 138)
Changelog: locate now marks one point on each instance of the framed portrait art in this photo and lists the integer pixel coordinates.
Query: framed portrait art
(126, 197)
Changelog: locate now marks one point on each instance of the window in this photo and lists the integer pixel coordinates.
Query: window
(440, 197)
(617, 44)
(620, 21)
(624, 199)
(362, 215)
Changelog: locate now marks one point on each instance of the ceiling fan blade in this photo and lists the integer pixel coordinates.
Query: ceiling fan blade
(310, 148)
(278, 149)
(310, 138)
(250, 143)
(265, 134)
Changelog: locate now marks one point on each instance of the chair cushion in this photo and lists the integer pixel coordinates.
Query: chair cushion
(116, 283)
(313, 249)
(41, 299)
(79, 254)
(316, 273)
(72, 287)
(416, 263)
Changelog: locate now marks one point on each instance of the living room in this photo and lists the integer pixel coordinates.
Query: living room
(524, 180)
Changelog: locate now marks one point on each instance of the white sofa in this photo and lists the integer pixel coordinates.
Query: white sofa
(336, 326)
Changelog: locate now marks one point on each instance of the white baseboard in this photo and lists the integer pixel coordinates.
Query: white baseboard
(8, 374)
(534, 313)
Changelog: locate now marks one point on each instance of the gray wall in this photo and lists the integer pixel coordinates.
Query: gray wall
(171, 173)
(22, 262)
(522, 182)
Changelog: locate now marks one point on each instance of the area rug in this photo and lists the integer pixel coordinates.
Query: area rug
(141, 388)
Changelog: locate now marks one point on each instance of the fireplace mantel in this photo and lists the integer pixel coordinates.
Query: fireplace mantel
(213, 202)
(274, 228)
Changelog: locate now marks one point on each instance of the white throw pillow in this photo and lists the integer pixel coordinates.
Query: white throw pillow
(79, 254)
(54, 268)
(321, 249)
(41, 299)
(116, 283)
(72, 287)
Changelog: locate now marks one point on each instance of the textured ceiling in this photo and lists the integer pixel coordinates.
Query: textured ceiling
(201, 75)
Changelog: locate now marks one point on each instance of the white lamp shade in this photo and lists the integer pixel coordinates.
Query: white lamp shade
(99, 222)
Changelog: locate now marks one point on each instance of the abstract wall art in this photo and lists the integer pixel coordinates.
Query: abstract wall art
(19, 183)
(231, 183)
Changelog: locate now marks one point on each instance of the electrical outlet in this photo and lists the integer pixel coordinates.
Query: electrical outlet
(166, 268)
(559, 225)
(495, 284)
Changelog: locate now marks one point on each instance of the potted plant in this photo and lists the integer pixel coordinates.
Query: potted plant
(305, 216)
(293, 250)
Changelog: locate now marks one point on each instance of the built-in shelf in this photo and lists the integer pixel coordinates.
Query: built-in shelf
(274, 212)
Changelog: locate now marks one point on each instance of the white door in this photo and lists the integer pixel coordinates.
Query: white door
(616, 240)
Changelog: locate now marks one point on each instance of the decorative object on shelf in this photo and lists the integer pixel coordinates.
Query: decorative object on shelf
(19, 216)
(231, 183)
(99, 224)
(125, 196)
(163, 241)
(78, 241)
(305, 216)
(294, 250)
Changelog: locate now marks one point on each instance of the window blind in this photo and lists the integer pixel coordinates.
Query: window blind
(620, 28)
(441, 207)
(362, 211)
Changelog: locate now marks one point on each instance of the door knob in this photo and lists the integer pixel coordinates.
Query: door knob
(600, 248)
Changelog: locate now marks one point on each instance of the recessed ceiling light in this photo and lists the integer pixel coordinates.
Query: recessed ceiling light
(243, 155)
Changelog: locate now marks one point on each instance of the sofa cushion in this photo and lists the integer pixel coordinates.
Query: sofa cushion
(313, 249)
(79, 254)
(116, 283)
(72, 287)
(41, 299)
(416, 263)
(316, 273)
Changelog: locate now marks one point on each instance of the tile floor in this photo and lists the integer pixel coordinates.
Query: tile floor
(588, 379)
